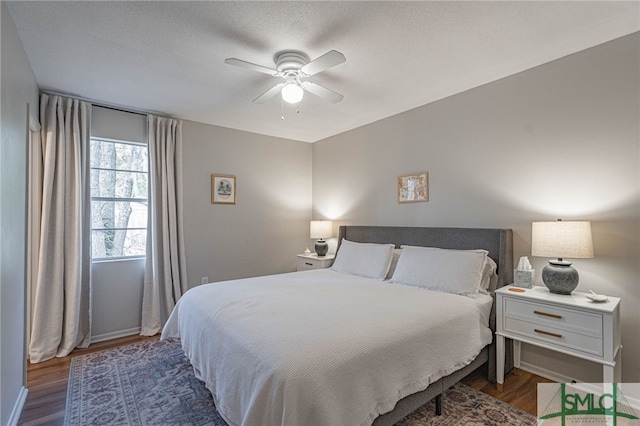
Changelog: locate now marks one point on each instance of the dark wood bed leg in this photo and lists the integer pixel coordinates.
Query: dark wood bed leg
(439, 405)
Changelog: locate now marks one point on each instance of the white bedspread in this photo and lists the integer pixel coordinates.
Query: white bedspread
(322, 347)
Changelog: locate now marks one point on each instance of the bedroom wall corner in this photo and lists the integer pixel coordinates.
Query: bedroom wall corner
(269, 224)
(19, 100)
(558, 140)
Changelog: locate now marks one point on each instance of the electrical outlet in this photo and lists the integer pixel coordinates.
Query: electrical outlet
(204, 280)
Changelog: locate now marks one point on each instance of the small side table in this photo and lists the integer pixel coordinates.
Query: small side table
(313, 261)
(571, 324)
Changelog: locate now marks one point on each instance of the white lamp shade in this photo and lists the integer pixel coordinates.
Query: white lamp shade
(570, 239)
(292, 93)
(321, 229)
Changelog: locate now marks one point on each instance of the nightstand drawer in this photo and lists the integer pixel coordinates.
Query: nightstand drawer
(588, 343)
(554, 316)
(308, 262)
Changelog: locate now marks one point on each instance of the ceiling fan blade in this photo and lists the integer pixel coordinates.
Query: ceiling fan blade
(249, 65)
(269, 93)
(322, 92)
(326, 61)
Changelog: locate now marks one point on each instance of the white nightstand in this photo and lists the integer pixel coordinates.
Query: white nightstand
(573, 325)
(312, 261)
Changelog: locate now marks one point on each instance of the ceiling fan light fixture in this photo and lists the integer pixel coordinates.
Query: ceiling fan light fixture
(294, 67)
(292, 93)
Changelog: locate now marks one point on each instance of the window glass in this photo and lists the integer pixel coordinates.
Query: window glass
(119, 198)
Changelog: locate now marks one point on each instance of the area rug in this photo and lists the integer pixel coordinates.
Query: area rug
(151, 383)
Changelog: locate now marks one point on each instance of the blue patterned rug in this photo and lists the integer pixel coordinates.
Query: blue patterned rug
(146, 383)
(151, 383)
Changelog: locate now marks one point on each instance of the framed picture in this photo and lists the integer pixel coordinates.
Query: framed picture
(413, 188)
(223, 189)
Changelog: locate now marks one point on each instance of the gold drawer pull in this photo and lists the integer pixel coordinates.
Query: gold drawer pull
(559, 336)
(548, 315)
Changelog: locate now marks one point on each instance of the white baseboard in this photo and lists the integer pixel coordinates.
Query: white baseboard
(115, 335)
(561, 378)
(17, 408)
(547, 374)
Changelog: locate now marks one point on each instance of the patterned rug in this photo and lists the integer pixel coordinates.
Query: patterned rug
(151, 383)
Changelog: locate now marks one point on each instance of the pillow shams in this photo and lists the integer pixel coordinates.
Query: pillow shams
(363, 259)
(450, 271)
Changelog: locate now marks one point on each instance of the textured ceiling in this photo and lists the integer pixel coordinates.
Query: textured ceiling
(168, 57)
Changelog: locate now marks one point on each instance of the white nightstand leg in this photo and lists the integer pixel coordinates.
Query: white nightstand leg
(516, 353)
(607, 374)
(613, 374)
(499, 362)
(617, 372)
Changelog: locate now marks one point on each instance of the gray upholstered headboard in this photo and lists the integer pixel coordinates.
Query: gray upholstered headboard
(499, 242)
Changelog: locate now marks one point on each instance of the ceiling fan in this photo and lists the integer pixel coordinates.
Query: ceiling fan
(294, 67)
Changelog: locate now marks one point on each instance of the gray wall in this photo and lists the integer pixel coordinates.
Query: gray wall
(557, 141)
(19, 91)
(262, 233)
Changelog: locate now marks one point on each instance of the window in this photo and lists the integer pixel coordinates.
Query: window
(119, 194)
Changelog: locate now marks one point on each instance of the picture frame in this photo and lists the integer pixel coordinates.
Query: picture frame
(413, 188)
(223, 189)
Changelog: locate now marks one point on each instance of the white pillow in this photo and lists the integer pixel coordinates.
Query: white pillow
(364, 259)
(450, 271)
(489, 278)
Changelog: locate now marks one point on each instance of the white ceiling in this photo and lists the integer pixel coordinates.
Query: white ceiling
(168, 57)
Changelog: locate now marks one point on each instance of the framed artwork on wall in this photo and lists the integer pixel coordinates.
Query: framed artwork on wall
(413, 188)
(223, 189)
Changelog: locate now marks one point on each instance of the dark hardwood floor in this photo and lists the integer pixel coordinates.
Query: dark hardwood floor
(47, 384)
(520, 387)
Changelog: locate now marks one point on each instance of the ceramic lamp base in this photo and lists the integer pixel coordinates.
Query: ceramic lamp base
(321, 247)
(560, 277)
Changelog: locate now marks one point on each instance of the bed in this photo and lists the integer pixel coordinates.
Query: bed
(346, 345)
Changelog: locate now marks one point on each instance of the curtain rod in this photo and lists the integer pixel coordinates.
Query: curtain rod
(106, 105)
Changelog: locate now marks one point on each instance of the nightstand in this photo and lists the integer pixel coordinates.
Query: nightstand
(312, 261)
(572, 324)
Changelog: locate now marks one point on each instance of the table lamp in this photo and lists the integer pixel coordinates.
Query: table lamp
(321, 229)
(561, 239)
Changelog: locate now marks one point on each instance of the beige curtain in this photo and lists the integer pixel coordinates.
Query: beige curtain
(61, 319)
(165, 268)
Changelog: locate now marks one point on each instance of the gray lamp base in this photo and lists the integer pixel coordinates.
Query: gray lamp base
(560, 277)
(321, 248)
